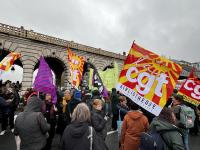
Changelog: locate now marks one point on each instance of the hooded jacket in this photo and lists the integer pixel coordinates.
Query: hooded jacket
(75, 137)
(133, 125)
(31, 126)
(173, 138)
(98, 123)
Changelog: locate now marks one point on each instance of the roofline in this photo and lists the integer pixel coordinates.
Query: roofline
(30, 34)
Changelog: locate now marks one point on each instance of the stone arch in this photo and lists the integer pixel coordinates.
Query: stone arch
(59, 68)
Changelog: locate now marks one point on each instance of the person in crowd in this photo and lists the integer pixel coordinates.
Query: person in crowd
(75, 100)
(95, 95)
(170, 100)
(178, 101)
(108, 104)
(64, 115)
(77, 135)
(172, 136)
(195, 130)
(11, 98)
(198, 114)
(133, 125)
(122, 107)
(31, 126)
(98, 122)
(49, 110)
(114, 102)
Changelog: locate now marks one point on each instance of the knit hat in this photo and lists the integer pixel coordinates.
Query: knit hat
(77, 95)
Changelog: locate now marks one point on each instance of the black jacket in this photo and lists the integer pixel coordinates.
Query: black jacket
(98, 123)
(31, 126)
(75, 137)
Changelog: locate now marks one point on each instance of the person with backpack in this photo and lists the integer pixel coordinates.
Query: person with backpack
(162, 133)
(133, 125)
(185, 117)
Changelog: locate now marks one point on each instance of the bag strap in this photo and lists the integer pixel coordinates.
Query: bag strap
(90, 136)
(120, 119)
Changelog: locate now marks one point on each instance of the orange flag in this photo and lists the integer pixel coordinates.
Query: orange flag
(76, 64)
(8, 61)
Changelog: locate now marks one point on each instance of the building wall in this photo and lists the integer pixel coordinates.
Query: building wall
(31, 48)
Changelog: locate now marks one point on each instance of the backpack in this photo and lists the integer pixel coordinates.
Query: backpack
(187, 116)
(153, 140)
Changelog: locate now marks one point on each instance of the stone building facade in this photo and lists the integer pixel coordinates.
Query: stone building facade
(32, 45)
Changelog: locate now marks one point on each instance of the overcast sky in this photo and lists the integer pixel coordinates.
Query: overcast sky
(166, 27)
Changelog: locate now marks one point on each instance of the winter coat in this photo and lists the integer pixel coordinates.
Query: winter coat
(172, 138)
(31, 126)
(114, 102)
(133, 125)
(75, 137)
(122, 110)
(72, 104)
(98, 123)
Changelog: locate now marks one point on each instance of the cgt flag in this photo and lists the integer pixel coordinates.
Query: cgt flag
(76, 64)
(9, 60)
(190, 89)
(148, 79)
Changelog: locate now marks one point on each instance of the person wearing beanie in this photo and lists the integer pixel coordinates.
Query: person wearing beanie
(75, 100)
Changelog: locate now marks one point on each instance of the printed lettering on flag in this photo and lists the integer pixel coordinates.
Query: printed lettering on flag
(190, 90)
(9, 60)
(76, 64)
(148, 79)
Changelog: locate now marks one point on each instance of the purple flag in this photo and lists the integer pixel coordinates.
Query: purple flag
(97, 82)
(44, 80)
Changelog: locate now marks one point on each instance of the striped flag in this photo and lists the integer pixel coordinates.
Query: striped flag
(76, 64)
(9, 60)
(44, 80)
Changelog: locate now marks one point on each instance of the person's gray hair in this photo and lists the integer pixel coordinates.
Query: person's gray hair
(81, 113)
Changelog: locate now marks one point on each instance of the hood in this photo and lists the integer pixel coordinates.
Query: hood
(135, 114)
(77, 95)
(162, 124)
(34, 104)
(78, 129)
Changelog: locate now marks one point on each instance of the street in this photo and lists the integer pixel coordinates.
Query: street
(7, 142)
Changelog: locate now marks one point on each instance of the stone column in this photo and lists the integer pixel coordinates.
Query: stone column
(28, 69)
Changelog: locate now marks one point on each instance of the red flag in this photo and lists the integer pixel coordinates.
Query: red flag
(8, 61)
(190, 89)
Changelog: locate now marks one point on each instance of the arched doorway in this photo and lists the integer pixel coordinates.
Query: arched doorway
(58, 69)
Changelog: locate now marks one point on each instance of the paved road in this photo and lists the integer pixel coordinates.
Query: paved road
(7, 141)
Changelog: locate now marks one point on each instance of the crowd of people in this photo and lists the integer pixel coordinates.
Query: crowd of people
(80, 118)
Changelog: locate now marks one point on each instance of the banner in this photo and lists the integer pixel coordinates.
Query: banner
(8, 61)
(148, 79)
(44, 80)
(76, 64)
(190, 90)
(110, 77)
(96, 81)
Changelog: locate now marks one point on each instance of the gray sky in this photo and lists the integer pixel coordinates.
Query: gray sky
(166, 27)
